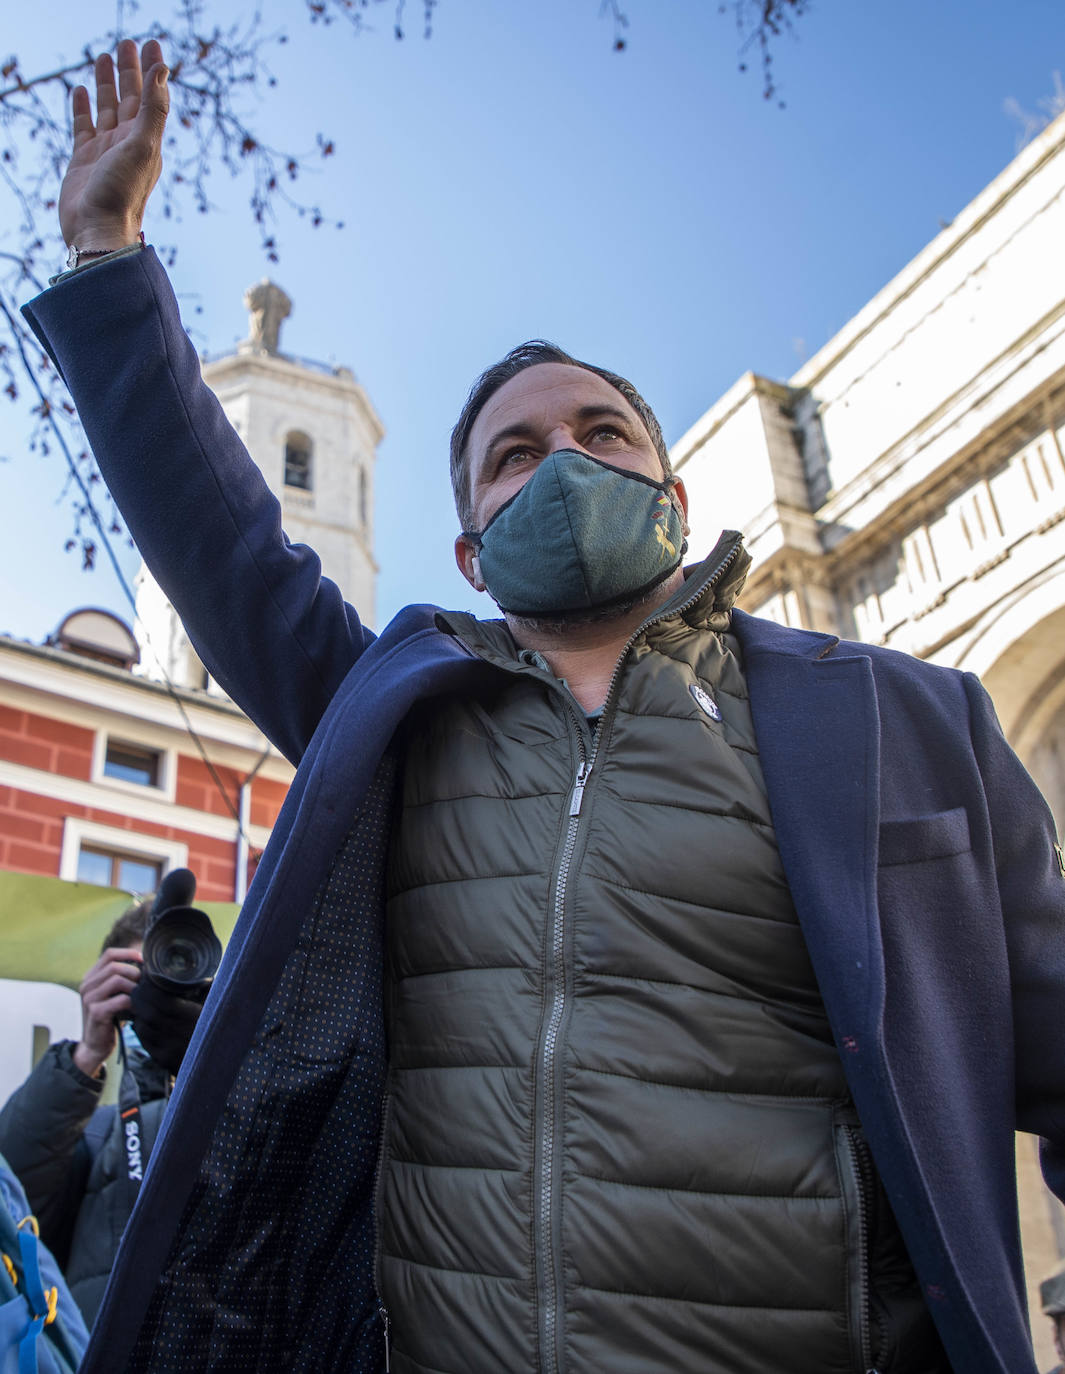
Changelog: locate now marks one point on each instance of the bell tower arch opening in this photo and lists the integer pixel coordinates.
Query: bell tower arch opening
(299, 460)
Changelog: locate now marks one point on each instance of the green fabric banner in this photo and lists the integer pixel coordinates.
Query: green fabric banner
(51, 930)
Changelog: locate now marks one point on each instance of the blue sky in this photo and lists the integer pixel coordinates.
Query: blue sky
(514, 177)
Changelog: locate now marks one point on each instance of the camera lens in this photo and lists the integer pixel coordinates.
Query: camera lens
(184, 960)
(181, 950)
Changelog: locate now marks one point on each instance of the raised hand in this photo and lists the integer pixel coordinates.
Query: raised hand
(105, 991)
(117, 161)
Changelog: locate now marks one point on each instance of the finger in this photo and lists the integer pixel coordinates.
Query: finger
(82, 110)
(96, 1008)
(122, 979)
(123, 954)
(155, 103)
(101, 973)
(116, 954)
(151, 54)
(106, 93)
(129, 79)
(114, 1006)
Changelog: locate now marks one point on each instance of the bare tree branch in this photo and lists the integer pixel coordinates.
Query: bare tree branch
(760, 23)
(218, 77)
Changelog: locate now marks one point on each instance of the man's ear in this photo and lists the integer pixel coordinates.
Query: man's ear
(468, 563)
(681, 496)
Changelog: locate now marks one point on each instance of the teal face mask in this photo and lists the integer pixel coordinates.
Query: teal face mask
(579, 536)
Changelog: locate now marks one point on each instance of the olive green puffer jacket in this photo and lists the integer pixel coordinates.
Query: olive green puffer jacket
(617, 1135)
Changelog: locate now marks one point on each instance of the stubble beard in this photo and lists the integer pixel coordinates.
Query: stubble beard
(561, 625)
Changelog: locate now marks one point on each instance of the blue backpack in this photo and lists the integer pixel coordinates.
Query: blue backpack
(41, 1329)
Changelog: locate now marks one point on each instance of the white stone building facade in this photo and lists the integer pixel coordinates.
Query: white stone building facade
(907, 487)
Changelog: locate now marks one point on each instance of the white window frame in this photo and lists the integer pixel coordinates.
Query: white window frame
(151, 848)
(165, 789)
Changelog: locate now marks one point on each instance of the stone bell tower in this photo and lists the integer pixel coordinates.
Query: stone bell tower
(313, 433)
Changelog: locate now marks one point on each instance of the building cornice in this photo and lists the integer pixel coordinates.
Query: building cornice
(921, 494)
(339, 383)
(751, 384)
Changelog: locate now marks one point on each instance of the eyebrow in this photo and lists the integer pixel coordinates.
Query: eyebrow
(599, 410)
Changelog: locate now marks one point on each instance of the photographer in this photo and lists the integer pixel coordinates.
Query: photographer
(81, 1163)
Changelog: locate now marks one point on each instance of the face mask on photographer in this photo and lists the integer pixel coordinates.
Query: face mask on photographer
(579, 536)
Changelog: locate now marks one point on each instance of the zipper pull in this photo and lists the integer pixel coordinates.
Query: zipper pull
(578, 788)
(382, 1311)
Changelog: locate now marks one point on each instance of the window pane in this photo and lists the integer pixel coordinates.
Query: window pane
(137, 875)
(131, 763)
(94, 867)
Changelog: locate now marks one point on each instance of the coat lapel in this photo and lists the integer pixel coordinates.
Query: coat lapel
(818, 730)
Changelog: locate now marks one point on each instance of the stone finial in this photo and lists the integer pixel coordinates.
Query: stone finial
(267, 306)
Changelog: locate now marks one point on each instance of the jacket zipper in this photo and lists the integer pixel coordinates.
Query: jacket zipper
(856, 1203)
(551, 1259)
(551, 1263)
(378, 1200)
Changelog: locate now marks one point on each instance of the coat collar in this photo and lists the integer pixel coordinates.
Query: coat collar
(758, 636)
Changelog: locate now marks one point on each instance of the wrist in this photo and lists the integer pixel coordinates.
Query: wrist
(103, 235)
(80, 259)
(87, 1060)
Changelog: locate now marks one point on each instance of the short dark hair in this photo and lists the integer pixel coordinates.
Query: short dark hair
(130, 927)
(531, 354)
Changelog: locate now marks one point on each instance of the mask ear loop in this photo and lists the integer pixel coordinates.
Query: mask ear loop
(474, 540)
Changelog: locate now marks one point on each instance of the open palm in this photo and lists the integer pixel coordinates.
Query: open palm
(116, 161)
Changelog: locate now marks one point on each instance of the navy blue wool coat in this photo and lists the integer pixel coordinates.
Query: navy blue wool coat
(919, 853)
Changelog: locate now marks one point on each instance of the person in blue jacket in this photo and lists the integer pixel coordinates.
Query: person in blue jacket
(629, 983)
(41, 1329)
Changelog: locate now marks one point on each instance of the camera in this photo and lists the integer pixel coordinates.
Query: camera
(181, 950)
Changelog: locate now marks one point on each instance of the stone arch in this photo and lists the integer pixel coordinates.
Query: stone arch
(1046, 755)
(1018, 651)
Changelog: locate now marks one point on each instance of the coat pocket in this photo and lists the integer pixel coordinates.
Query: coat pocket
(936, 836)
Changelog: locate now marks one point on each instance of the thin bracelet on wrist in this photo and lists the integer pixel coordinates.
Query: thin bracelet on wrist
(80, 258)
(76, 256)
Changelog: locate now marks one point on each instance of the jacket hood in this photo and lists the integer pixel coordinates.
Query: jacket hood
(715, 583)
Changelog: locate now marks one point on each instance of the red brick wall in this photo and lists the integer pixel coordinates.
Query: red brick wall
(266, 800)
(42, 742)
(198, 790)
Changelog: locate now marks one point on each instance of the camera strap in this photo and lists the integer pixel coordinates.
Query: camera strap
(129, 1115)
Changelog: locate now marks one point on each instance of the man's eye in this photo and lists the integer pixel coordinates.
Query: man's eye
(606, 433)
(515, 455)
